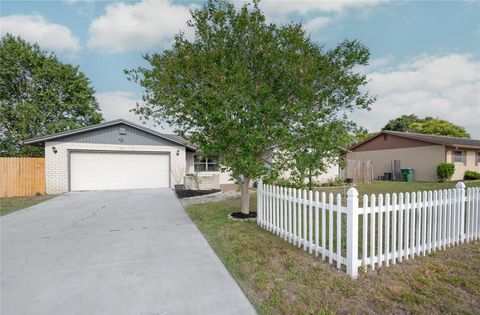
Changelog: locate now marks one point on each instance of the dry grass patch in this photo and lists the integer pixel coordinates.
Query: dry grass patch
(11, 204)
(280, 278)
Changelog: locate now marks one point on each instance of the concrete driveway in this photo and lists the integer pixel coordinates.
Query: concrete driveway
(117, 252)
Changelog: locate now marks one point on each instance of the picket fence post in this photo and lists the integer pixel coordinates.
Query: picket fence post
(463, 198)
(352, 233)
(259, 201)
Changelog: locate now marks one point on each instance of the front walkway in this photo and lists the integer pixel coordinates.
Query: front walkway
(118, 252)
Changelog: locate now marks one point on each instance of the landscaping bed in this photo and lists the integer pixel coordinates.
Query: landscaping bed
(280, 278)
(186, 193)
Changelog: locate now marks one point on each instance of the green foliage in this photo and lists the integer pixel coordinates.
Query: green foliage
(472, 175)
(261, 97)
(428, 125)
(401, 123)
(445, 171)
(435, 126)
(39, 95)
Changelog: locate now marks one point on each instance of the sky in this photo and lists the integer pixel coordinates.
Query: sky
(425, 55)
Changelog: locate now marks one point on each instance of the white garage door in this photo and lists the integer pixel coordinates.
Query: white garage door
(108, 171)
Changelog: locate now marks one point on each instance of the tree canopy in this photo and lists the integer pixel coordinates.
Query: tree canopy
(427, 125)
(254, 94)
(39, 95)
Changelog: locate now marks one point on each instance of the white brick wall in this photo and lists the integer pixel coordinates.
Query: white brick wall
(56, 164)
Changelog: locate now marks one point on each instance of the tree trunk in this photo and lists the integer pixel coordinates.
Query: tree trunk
(245, 192)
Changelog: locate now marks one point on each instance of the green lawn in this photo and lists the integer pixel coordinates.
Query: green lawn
(9, 205)
(383, 187)
(280, 278)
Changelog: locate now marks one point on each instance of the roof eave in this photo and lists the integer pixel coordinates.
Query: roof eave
(98, 126)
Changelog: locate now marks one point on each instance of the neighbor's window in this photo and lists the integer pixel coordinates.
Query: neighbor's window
(477, 158)
(202, 164)
(458, 156)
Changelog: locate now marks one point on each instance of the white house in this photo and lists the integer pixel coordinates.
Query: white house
(119, 154)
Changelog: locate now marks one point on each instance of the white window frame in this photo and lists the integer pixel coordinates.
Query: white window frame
(455, 156)
(207, 163)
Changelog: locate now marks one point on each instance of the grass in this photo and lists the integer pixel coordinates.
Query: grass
(383, 187)
(280, 278)
(9, 205)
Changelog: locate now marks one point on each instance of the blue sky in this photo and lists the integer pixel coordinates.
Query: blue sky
(425, 55)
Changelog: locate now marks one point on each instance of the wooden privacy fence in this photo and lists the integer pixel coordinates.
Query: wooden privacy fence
(397, 227)
(361, 172)
(21, 176)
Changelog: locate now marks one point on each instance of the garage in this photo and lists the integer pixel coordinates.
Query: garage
(113, 155)
(117, 170)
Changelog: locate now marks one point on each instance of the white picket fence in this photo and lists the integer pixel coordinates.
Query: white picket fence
(382, 230)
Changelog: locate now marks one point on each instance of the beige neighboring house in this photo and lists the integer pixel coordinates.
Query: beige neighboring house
(418, 151)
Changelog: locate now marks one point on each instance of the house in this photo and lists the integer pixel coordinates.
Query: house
(421, 152)
(119, 154)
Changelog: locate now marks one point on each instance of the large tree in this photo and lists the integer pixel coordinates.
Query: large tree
(253, 93)
(39, 95)
(401, 123)
(427, 125)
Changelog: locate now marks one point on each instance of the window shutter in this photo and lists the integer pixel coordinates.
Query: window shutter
(452, 157)
(464, 156)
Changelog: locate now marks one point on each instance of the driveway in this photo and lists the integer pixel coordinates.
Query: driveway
(116, 252)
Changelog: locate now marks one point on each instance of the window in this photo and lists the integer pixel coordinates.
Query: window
(202, 164)
(477, 158)
(457, 156)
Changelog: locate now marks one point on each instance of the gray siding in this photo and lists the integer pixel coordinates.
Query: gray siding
(111, 135)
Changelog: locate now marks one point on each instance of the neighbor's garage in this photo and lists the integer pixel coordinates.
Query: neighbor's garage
(113, 170)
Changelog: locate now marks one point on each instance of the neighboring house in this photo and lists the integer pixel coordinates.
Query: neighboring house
(418, 151)
(119, 154)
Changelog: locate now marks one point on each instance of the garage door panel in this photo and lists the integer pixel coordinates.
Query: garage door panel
(109, 171)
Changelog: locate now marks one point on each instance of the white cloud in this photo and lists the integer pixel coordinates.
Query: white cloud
(284, 8)
(117, 104)
(446, 86)
(315, 24)
(314, 15)
(35, 28)
(136, 26)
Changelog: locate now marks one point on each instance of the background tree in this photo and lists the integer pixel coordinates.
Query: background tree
(435, 126)
(249, 92)
(39, 95)
(427, 125)
(401, 123)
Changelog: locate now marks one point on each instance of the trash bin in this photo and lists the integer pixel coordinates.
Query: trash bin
(407, 174)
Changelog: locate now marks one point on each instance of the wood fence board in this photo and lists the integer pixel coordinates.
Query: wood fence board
(21, 176)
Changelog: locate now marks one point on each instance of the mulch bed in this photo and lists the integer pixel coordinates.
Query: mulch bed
(192, 193)
(239, 215)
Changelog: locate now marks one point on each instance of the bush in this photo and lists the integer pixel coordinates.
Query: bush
(445, 171)
(471, 175)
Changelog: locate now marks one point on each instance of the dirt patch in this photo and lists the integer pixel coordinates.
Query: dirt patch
(242, 216)
(193, 193)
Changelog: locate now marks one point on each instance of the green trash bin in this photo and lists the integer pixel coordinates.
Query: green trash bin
(407, 174)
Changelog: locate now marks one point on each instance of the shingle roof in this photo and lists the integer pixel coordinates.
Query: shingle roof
(171, 137)
(450, 141)
(443, 140)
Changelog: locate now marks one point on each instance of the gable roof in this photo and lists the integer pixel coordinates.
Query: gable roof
(170, 137)
(433, 139)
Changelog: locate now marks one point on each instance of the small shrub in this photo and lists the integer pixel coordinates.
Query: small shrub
(471, 175)
(445, 171)
(38, 194)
